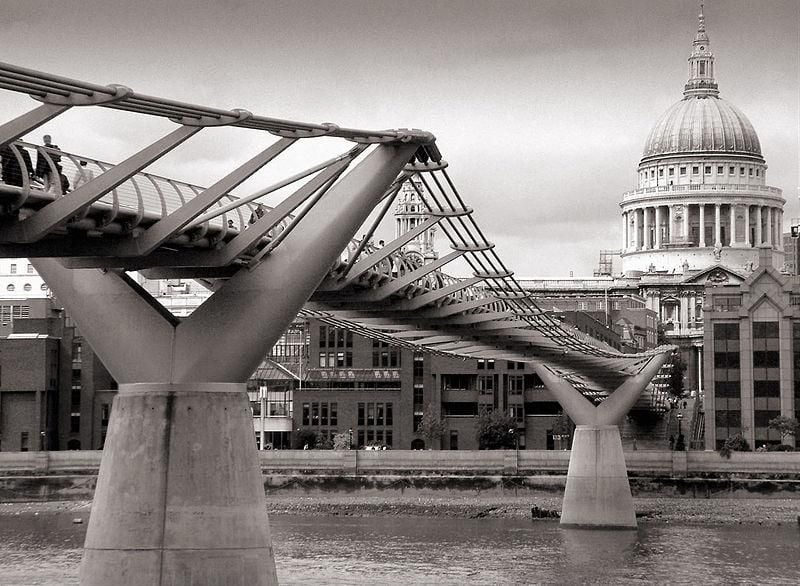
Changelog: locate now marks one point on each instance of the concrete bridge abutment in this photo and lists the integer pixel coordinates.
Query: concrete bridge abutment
(179, 498)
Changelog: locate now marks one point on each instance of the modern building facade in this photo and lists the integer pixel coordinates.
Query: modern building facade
(752, 335)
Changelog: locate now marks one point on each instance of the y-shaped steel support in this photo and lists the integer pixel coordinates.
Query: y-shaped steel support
(598, 493)
(179, 498)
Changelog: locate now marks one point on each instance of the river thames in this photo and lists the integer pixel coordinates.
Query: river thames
(45, 548)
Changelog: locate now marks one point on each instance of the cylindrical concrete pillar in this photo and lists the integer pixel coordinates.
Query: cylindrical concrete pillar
(747, 225)
(717, 226)
(179, 498)
(636, 229)
(646, 243)
(733, 224)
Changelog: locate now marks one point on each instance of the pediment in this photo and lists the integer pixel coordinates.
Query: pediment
(716, 275)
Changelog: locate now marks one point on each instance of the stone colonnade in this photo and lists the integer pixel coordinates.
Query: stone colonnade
(653, 227)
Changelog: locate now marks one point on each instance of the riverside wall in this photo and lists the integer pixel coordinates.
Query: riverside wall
(72, 475)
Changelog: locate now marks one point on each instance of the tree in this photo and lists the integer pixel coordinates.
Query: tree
(734, 443)
(562, 427)
(676, 375)
(786, 426)
(432, 427)
(495, 430)
(305, 437)
(341, 441)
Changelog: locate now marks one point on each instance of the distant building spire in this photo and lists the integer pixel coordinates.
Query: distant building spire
(701, 81)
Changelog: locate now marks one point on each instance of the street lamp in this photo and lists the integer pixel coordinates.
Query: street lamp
(679, 416)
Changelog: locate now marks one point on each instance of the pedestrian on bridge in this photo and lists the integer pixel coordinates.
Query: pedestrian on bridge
(43, 168)
(12, 172)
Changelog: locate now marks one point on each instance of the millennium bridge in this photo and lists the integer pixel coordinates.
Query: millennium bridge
(174, 506)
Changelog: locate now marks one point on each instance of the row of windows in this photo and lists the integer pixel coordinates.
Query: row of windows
(378, 385)
(375, 436)
(25, 287)
(384, 355)
(335, 359)
(14, 311)
(13, 269)
(320, 414)
(682, 170)
(375, 415)
(333, 337)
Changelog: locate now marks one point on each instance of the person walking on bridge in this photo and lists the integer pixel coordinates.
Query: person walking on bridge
(43, 168)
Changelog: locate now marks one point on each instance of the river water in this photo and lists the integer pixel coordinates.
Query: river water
(44, 549)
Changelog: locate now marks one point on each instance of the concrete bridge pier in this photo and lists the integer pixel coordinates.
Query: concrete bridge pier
(180, 500)
(598, 493)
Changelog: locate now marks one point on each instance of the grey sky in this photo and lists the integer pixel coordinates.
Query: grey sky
(541, 108)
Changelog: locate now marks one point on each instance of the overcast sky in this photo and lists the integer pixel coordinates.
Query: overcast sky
(540, 107)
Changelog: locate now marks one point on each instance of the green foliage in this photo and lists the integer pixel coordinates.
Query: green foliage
(495, 430)
(324, 443)
(735, 443)
(432, 427)
(786, 426)
(341, 441)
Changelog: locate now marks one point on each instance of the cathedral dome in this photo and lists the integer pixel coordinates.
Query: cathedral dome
(702, 124)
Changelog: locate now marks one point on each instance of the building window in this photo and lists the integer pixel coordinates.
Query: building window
(683, 170)
(661, 172)
(44, 287)
(652, 173)
(757, 172)
(741, 170)
(720, 169)
(516, 384)
(24, 441)
(27, 287)
(731, 170)
(695, 169)
(13, 269)
(306, 414)
(707, 170)
(750, 171)
(384, 355)
(10, 287)
(74, 422)
(485, 364)
(671, 171)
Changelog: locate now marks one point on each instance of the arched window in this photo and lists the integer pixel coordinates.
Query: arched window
(27, 286)
(10, 287)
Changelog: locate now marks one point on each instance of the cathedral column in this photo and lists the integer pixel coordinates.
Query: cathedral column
(780, 227)
(759, 235)
(646, 229)
(717, 226)
(769, 226)
(733, 225)
(747, 225)
(702, 242)
(636, 229)
(624, 231)
(670, 224)
(658, 227)
(686, 222)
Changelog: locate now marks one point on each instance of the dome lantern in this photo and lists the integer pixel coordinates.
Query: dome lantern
(701, 81)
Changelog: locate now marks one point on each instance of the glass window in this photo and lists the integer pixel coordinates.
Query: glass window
(379, 414)
(708, 169)
(683, 170)
(30, 268)
(27, 287)
(370, 414)
(10, 287)
(334, 414)
(323, 359)
(720, 169)
(695, 169)
(361, 414)
(322, 336)
(731, 170)
(314, 413)
(671, 171)
(389, 421)
(323, 408)
(388, 436)
(13, 269)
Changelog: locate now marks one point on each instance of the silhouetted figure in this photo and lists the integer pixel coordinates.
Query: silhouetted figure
(671, 443)
(12, 172)
(43, 168)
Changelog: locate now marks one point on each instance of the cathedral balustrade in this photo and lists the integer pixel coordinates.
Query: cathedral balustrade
(702, 188)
